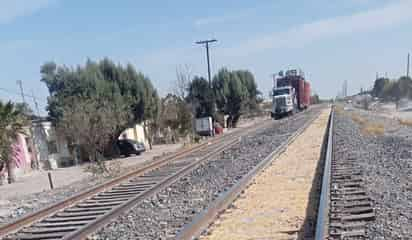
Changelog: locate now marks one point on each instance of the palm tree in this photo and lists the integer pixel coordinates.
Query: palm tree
(12, 122)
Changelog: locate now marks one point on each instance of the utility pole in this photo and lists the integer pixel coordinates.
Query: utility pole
(35, 103)
(345, 89)
(206, 43)
(407, 66)
(35, 162)
(20, 83)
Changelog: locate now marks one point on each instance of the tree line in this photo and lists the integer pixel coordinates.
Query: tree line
(92, 104)
(392, 90)
(231, 93)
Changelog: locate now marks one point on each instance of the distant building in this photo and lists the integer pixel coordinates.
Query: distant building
(51, 148)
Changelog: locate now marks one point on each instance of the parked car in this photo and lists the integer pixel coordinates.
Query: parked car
(128, 147)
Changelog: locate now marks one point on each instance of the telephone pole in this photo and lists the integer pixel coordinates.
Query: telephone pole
(35, 103)
(35, 163)
(20, 83)
(407, 65)
(206, 43)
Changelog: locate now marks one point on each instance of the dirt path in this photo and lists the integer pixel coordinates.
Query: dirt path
(277, 204)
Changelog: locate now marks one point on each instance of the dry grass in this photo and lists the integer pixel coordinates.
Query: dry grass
(405, 122)
(358, 119)
(375, 129)
(338, 109)
(369, 128)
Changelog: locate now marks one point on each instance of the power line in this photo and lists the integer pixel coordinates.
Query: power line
(14, 92)
(20, 83)
(35, 104)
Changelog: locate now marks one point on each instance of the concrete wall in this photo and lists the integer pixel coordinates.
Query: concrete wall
(21, 156)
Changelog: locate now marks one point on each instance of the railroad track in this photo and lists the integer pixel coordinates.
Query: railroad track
(204, 219)
(80, 215)
(344, 207)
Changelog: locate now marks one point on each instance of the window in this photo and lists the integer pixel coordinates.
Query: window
(278, 92)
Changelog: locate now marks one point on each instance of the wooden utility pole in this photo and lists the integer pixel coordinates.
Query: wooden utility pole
(35, 162)
(20, 83)
(407, 66)
(35, 103)
(206, 43)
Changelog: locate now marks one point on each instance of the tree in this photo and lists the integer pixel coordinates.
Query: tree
(90, 123)
(236, 100)
(183, 78)
(12, 122)
(235, 91)
(405, 86)
(379, 86)
(248, 81)
(201, 96)
(120, 89)
(176, 115)
(391, 91)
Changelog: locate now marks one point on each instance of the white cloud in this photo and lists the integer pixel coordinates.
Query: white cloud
(12, 9)
(298, 36)
(213, 20)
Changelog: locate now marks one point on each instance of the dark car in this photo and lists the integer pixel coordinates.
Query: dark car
(128, 147)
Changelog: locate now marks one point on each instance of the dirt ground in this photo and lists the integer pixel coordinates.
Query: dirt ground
(37, 181)
(32, 190)
(276, 205)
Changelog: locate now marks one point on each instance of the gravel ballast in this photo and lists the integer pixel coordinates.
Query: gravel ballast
(163, 215)
(386, 162)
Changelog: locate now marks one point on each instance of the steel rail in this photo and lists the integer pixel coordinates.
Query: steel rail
(323, 209)
(345, 209)
(83, 232)
(46, 211)
(68, 202)
(32, 217)
(205, 218)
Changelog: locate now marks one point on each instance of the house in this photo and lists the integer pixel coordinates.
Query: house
(51, 148)
(45, 144)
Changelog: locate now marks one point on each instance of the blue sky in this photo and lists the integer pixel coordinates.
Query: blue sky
(330, 40)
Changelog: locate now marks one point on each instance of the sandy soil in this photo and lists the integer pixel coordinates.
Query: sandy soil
(277, 205)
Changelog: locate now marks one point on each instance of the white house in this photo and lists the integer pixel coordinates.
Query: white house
(51, 148)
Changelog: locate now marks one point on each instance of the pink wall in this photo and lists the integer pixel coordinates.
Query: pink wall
(21, 154)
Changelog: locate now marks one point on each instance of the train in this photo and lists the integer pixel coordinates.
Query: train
(291, 93)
